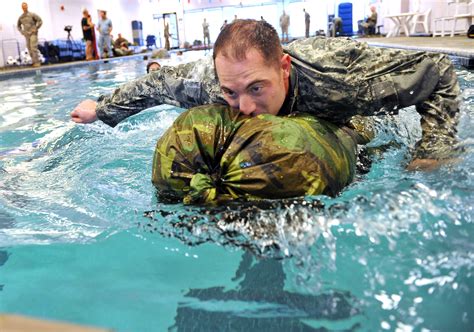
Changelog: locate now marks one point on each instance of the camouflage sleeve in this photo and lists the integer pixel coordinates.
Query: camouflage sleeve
(439, 114)
(38, 21)
(428, 81)
(375, 81)
(18, 25)
(185, 85)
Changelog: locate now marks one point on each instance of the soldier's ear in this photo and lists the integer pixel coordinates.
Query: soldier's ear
(286, 65)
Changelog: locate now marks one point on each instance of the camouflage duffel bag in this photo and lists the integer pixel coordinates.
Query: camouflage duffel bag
(213, 153)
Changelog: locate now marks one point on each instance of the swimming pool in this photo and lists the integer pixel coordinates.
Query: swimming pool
(393, 252)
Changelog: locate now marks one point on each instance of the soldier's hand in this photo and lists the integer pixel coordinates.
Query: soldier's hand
(429, 165)
(84, 112)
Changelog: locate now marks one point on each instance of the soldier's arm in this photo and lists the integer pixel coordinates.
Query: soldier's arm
(439, 115)
(399, 78)
(38, 22)
(389, 79)
(18, 26)
(428, 81)
(185, 86)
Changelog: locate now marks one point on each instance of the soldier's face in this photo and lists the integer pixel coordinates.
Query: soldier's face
(24, 6)
(253, 86)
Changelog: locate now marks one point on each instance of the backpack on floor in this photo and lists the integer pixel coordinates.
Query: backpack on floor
(470, 32)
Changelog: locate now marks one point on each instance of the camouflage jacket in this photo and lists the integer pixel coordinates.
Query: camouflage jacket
(333, 78)
(28, 23)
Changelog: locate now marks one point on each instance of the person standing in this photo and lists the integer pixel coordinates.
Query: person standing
(28, 24)
(105, 41)
(224, 24)
(205, 30)
(167, 36)
(284, 24)
(307, 19)
(88, 33)
(336, 29)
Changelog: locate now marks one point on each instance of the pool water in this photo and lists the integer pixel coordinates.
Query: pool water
(393, 252)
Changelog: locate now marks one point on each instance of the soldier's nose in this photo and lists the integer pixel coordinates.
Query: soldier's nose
(246, 105)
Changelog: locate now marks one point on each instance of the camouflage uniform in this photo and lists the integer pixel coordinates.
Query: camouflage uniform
(284, 24)
(28, 25)
(333, 78)
(213, 153)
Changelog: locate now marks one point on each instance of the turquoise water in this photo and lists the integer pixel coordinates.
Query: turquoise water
(393, 252)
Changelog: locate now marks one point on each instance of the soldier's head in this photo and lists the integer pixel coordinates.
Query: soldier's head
(152, 66)
(252, 70)
(24, 6)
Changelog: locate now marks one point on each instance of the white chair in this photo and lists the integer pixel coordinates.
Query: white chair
(461, 10)
(440, 32)
(468, 16)
(423, 19)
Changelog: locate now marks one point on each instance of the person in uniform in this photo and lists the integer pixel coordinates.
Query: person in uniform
(307, 20)
(370, 22)
(284, 24)
(152, 66)
(121, 46)
(167, 36)
(205, 31)
(28, 24)
(332, 78)
(224, 24)
(336, 27)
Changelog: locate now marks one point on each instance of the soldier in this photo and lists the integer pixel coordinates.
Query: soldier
(370, 23)
(333, 78)
(336, 27)
(307, 20)
(28, 24)
(167, 36)
(205, 31)
(152, 66)
(224, 25)
(284, 24)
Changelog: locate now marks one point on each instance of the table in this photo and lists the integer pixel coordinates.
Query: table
(401, 21)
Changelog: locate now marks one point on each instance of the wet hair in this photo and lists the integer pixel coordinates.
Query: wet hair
(238, 37)
(149, 65)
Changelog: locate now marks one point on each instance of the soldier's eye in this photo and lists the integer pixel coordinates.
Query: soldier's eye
(229, 93)
(256, 89)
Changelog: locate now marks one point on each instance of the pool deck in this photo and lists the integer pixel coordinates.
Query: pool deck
(19, 323)
(459, 48)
